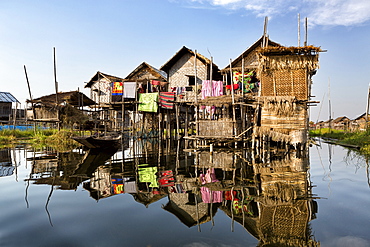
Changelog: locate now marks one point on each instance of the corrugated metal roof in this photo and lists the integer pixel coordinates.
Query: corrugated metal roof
(7, 97)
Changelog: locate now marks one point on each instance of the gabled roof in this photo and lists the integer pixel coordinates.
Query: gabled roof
(184, 50)
(100, 75)
(156, 72)
(256, 44)
(363, 115)
(7, 97)
(341, 119)
(72, 98)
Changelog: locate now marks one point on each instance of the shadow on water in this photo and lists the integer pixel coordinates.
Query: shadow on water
(270, 195)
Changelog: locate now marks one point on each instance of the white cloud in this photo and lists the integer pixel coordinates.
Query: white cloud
(339, 12)
(319, 12)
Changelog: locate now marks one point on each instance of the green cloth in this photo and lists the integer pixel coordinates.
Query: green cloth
(148, 102)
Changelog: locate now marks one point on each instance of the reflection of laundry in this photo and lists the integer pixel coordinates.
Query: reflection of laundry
(166, 179)
(6, 171)
(117, 186)
(148, 175)
(130, 187)
(209, 177)
(209, 196)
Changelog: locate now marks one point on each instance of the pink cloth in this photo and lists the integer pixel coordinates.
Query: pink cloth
(214, 89)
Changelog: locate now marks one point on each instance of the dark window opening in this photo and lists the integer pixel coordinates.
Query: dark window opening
(191, 80)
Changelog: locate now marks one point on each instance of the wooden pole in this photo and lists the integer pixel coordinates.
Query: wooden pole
(196, 94)
(306, 32)
(232, 84)
(242, 77)
(56, 89)
(367, 107)
(299, 30)
(329, 105)
(29, 91)
(264, 41)
(210, 77)
(177, 121)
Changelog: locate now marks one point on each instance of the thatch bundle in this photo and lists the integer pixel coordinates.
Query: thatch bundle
(287, 58)
(219, 101)
(273, 135)
(281, 105)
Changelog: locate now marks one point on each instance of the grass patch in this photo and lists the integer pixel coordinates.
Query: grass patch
(358, 138)
(59, 140)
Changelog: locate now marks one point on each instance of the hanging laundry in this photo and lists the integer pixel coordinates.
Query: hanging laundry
(166, 99)
(154, 82)
(216, 88)
(117, 88)
(129, 90)
(148, 102)
(180, 90)
(235, 86)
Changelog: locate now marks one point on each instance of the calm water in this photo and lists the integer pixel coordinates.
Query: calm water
(167, 197)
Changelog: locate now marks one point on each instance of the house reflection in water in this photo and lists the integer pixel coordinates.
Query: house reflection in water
(268, 194)
(272, 200)
(6, 166)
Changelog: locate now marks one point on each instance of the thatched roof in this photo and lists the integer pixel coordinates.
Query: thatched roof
(159, 74)
(250, 49)
(184, 50)
(74, 98)
(100, 75)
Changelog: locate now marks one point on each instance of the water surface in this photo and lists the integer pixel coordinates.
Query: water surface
(167, 197)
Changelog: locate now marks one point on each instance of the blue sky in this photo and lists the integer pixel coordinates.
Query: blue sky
(115, 36)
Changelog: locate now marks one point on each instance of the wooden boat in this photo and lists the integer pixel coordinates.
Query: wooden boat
(99, 142)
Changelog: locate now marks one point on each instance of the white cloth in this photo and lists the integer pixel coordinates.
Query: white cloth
(129, 90)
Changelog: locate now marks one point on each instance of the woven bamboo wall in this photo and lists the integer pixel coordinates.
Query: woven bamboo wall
(45, 113)
(296, 121)
(178, 74)
(251, 60)
(218, 128)
(285, 83)
(287, 222)
(101, 91)
(222, 160)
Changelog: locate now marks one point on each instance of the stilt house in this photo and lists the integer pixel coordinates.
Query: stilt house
(6, 102)
(285, 75)
(56, 107)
